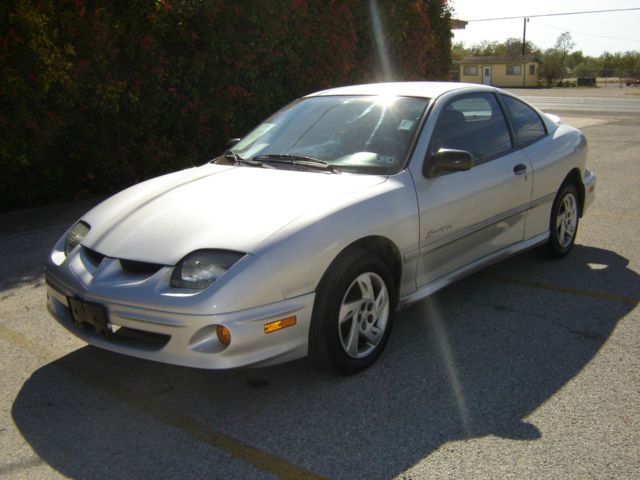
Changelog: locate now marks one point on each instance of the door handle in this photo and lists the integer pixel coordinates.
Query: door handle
(520, 169)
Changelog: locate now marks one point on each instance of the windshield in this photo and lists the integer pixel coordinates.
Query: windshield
(360, 134)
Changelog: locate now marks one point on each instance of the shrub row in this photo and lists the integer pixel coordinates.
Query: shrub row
(97, 95)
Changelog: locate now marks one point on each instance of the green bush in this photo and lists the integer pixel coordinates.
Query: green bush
(97, 95)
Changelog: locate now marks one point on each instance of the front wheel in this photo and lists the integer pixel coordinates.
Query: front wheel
(564, 221)
(353, 314)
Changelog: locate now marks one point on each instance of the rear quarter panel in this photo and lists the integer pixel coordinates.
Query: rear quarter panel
(552, 159)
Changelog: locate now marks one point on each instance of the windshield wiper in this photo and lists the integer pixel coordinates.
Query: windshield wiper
(299, 160)
(237, 159)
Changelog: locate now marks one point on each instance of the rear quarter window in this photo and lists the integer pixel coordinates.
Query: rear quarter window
(527, 125)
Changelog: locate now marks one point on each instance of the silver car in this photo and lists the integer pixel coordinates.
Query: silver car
(308, 234)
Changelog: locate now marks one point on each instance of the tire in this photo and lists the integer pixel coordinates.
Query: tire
(353, 313)
(565, 217)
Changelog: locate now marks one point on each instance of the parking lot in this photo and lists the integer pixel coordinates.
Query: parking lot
(528, 369)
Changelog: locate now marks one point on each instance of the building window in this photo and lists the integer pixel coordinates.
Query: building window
(532, 69)
(470, 70)
(514, 69)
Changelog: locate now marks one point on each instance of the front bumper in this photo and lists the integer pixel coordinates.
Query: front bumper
(589, 182)
(181, 338)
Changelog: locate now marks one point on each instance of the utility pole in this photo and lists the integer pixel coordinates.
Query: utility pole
(524, 50)
(524, 35)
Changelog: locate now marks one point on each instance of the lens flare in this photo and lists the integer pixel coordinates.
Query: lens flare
(431, 313)
(381, 43)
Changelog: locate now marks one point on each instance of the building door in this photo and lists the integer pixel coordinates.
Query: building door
(486, 75)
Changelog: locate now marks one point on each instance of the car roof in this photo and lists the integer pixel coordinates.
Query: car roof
(403, 89)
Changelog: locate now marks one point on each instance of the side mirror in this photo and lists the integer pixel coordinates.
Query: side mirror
(232, 142)
(447, 160)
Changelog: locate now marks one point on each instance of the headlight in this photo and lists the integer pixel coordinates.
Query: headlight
(75, 236)
(200, 269)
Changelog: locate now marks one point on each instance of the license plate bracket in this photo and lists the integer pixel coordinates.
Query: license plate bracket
(89, 313)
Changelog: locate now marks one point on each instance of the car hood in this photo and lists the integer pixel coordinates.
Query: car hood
(213, 206)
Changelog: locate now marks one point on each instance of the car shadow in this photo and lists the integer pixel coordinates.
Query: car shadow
(475, 359)
(27, 236)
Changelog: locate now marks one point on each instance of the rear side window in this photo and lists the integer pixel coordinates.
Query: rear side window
(526, 123)
(474, 123)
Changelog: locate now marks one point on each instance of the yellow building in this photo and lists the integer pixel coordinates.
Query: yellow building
(520, 71)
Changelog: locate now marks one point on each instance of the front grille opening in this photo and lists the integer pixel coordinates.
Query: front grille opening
(140, 338)
(144, 268)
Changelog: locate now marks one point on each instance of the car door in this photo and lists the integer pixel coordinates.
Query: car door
(467, 215)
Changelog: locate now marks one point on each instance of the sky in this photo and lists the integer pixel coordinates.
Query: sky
(592, 33)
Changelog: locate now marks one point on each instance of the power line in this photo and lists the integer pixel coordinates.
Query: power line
(585, 33)
(554, 14)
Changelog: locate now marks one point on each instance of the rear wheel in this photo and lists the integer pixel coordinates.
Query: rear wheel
(353, 314)
(565, 216)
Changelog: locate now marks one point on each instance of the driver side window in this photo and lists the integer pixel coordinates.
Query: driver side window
(474, 123)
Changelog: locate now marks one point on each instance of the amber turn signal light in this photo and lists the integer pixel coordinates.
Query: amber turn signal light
(279, 324)
(224, 335)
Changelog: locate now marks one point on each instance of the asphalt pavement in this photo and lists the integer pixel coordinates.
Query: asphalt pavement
(600, 105)
(528, 369)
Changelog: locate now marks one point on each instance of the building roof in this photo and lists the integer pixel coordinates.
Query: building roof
(493, 59)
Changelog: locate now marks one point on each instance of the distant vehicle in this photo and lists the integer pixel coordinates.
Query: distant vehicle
(629, 82)
(306, 235)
